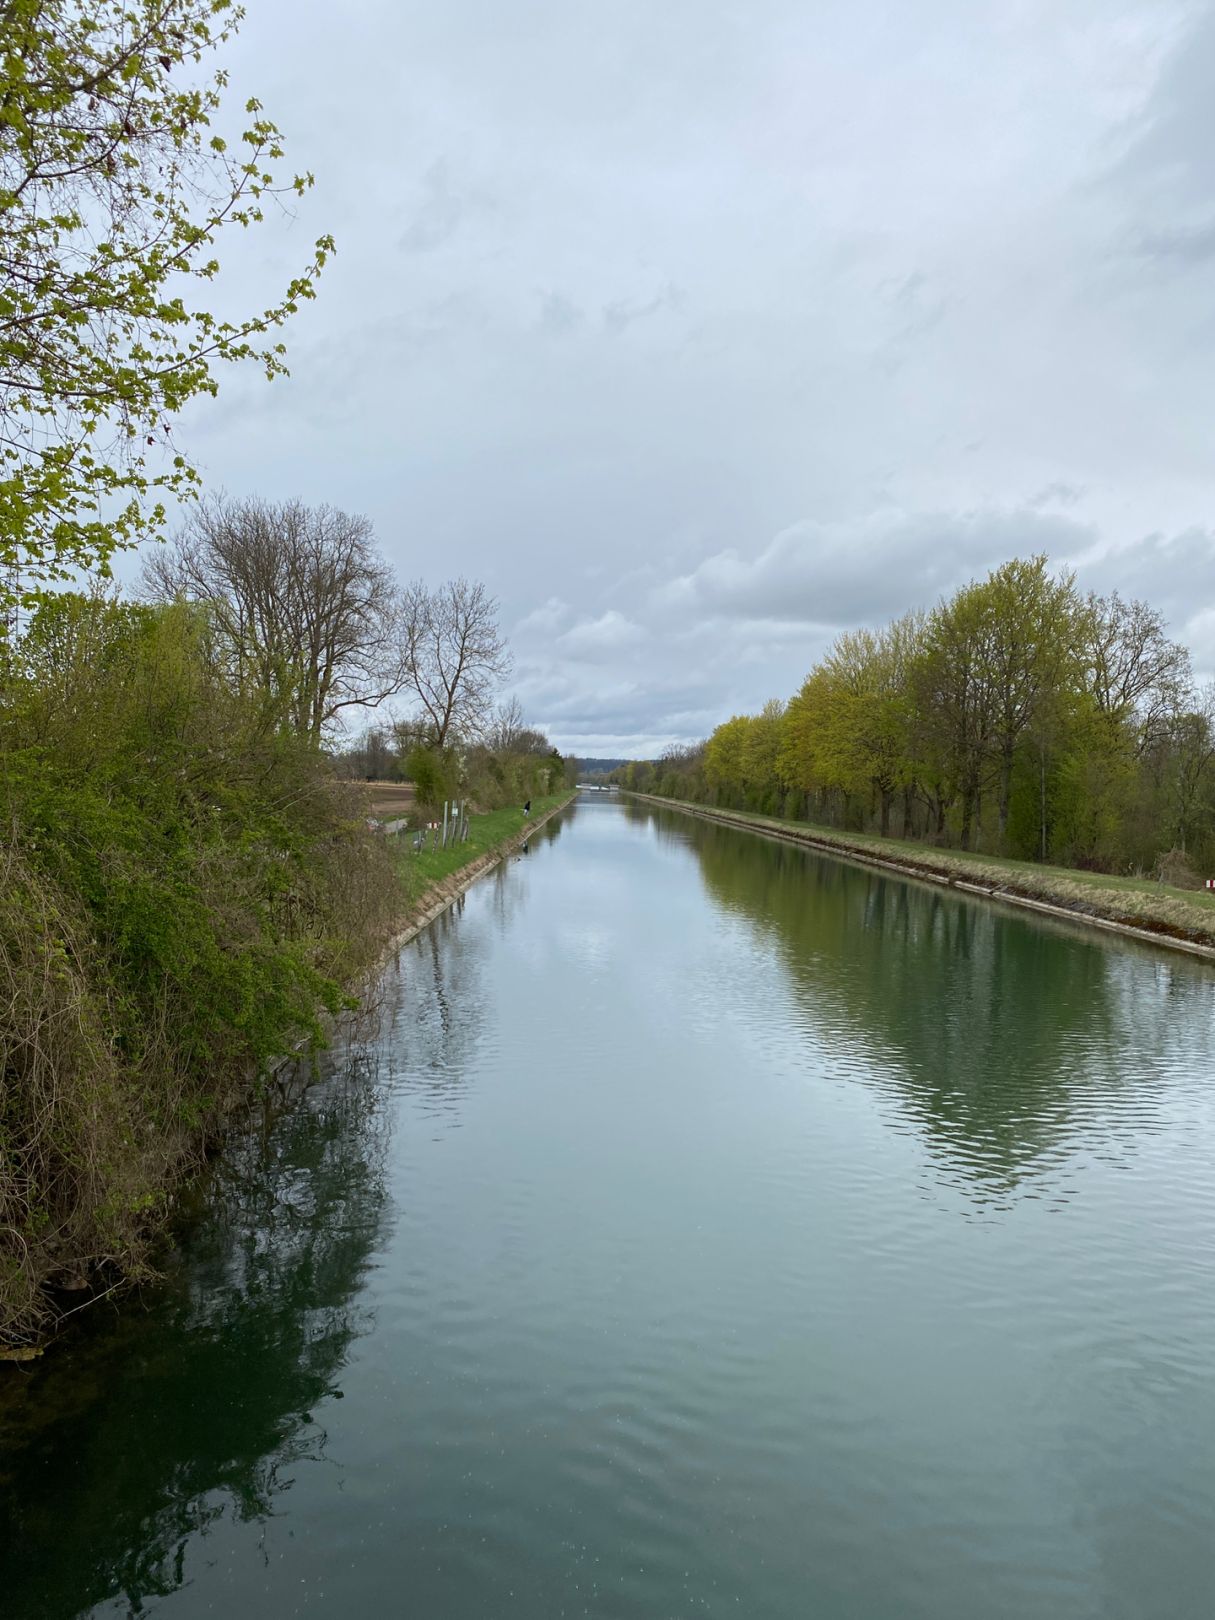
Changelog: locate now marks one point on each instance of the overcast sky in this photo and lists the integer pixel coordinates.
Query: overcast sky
(702, 329)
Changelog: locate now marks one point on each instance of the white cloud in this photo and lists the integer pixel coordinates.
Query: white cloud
(545, 620)
(602, 637)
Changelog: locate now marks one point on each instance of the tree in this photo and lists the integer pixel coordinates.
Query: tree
(114, 186)
(992, 655)
(451, 654)
(864, 742)
(506, 732)
(1136, 673)
(301, 602)
(1194, 755)
(724, 756)
(1034, 625)
(433, 774)
(761, 747)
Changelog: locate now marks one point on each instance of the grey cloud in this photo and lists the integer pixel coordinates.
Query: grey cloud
(624, 312)
(1172, 140)
(915, 309)
(863, 572)
(1194, 245)
(1167, 172)
(559, 315)
(906, 288)
(1176, 575)
(440, 213)
(1057, 494)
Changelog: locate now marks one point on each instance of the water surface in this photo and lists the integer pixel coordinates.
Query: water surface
(710, 1228)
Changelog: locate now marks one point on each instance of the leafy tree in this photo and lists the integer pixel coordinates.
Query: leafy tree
(863, 740)
(115, 184)
(1034, 628)
(724, 756)
(993, 654)
(797, 757)
(433, 774)
(1017, 713)
(760, 751)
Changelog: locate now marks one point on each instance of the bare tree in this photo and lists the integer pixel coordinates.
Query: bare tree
(506, 732)
(505, 726)
(1136, 673)
(304, 608)
(1193, 748)
(452, 652)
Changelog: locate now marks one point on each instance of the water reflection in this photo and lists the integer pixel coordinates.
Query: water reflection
(201, 1407)
(1001, 1037)
(433, 1007)
(669, 1318)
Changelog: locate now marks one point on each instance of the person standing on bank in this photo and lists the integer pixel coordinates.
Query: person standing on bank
(527, 808)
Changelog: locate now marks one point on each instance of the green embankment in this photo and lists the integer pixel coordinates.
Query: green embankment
(1172, 913)
(96, 1132)
(422, 872)
(187, 894)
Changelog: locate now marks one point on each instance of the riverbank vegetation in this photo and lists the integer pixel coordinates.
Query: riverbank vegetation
(189, 890)
(187, 893)
(1145, 904)
(422, 871)
(1019, 717)
(189, 884)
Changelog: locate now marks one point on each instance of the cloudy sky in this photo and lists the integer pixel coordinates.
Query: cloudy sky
(701, 329)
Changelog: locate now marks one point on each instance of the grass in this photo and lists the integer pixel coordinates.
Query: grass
(1139, 902)
(422, 871)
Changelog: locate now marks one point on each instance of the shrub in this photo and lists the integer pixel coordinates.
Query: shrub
(186, 894)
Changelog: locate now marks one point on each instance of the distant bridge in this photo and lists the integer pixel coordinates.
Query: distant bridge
(597, 787)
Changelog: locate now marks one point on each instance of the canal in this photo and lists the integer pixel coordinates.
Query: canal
(704, 1228)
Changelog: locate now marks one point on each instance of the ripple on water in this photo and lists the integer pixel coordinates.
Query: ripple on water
(754, 1235)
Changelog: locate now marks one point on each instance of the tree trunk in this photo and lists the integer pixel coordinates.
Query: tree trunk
(1006, 766)
(968, 813)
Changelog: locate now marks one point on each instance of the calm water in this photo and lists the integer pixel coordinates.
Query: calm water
(709, 1229)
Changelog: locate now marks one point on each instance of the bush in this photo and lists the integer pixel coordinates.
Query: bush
(186, 894)
(1174, 867)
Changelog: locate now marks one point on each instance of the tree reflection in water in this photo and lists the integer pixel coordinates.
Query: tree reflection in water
(1002, 1037)
(136, 1436)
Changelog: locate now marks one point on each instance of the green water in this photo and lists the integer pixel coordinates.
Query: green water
(707, 1229)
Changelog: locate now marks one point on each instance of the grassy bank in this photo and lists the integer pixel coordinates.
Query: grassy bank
(1140, 903)
(421, 874)
(161, 948)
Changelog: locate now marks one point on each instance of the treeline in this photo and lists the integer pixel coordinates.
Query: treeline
(316, 624)
(188, 885)
(1019, 716)
(503, 762)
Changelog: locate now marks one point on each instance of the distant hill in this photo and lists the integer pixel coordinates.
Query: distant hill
(599, 767)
